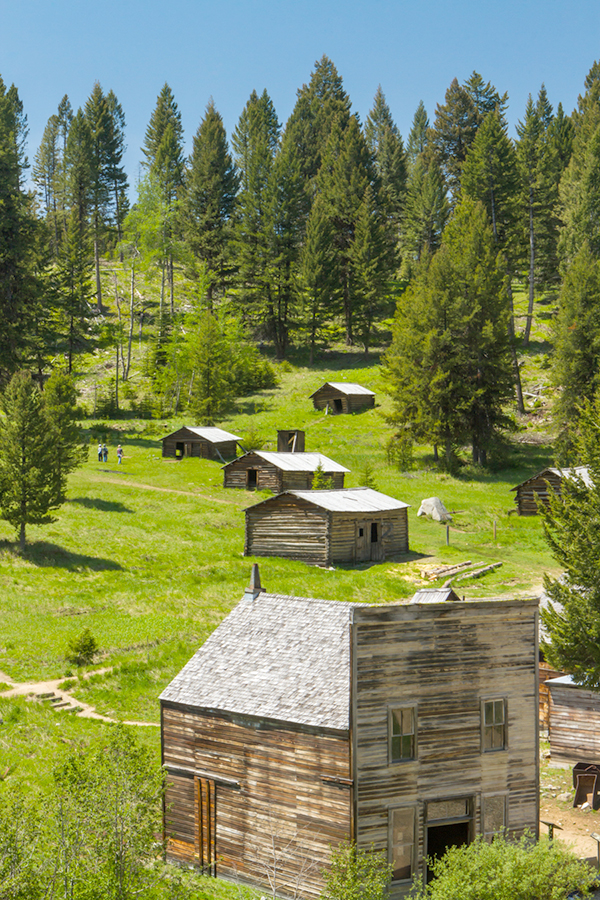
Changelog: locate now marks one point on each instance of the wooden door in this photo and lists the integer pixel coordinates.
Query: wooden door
(362, 541)
(376, 539)
(206, 821)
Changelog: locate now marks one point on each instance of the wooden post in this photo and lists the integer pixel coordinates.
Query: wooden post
(447, 535)
(551, 827)
(597, 839)
(494, 529)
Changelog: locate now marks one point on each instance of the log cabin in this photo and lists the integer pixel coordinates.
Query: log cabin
(574, 721)
(300, 723)
(277, 472)
(328, 527)
(341, 397)
(529, 494)
(207, 443)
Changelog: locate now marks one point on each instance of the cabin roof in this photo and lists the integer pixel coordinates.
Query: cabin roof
(568, 473)
(295, 462)
(275, 657)
(345, 387)
(212, 434)
(351, 500)
(435, 595)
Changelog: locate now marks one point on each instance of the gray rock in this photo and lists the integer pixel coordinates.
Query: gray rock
(565, 797)
(434, 509)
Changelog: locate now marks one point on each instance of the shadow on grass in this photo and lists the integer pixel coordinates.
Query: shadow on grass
(102, 505)
(334, 359)
(522, 461)
(42, 554)
(411, 556)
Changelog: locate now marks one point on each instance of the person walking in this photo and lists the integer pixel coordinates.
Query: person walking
(119, 454)
(99, 452)
(105, 453)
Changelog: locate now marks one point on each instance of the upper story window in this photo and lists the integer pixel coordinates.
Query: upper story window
(493, 724)
(402, 734)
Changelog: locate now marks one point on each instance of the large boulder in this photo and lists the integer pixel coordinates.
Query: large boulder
(434, 509)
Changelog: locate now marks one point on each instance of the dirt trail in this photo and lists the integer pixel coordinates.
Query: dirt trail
(154, 487)
(61, 700)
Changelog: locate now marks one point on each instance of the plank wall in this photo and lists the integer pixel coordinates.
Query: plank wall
(527, 504)
(289, 527)
(444, 659)
(393, 526)
(281, 786)
(574, 724)
(268, 475)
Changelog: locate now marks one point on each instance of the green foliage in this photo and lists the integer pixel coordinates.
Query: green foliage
(508, 870)
(357, 875)
(400, 451)
(368, 476)
(60, 404)
(571, 532)
(321, 481)
(82, 649)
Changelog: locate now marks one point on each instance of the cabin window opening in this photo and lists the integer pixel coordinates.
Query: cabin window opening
(402, 843)
(374, 533)
(252, 478)
(361, 532)
(494, 724)
(402, 734)
(494, 815)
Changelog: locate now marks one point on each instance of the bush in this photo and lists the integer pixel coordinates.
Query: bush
(81, 650)
(508, 870)
(357, 875)
(321, 482)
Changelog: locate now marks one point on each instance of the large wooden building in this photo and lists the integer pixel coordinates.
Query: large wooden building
(208, 443)
(300, 723)
(574, 721)
(529, 494)
(341, 397)
(277, 472)
(327, 527)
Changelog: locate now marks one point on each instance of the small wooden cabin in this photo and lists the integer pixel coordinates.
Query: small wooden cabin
(277, 472)
(547, 480)
(340, 397)
(290, 440)
(574, 721)
(207, 443)
(327, 527)
(301, 723)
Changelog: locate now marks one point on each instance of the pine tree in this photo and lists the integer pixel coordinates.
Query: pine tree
(426, 211)
(418, 137)
(99, 120)
(19, 239)
(318, 274)
(576, 362)
(371, 261)
(45, 176)
(453, 132)
(69, 450)
(387, 149)
(449, 364)
(115, 170)
(28, 487)
(209, 200)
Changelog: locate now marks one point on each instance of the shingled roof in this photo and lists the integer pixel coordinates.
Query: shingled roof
(275, 657)
(349, 500)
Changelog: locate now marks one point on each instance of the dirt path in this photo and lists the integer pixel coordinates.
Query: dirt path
(59, 699)
(154, 487)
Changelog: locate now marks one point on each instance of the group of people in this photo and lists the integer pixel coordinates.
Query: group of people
(103, 453)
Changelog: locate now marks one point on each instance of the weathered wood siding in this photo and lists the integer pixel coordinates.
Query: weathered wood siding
(527, 504)
(443, 660)
(546, 672)
(574, 724)
(235, 475)
(289, 527)
(393, 531)
(273, 783)
(291, 440)
(326, 396)
(198, 446)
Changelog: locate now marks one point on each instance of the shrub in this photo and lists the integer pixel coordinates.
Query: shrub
(357, 875)
(81, 650)
(321, 482)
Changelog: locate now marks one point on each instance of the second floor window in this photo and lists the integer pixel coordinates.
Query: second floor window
(402, 725)
(494, 724)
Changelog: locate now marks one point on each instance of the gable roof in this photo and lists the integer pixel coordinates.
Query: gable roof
(294, 462)
(435, 595)
(345, 387)
(276, 657)
(570, 473)
(209, 433)
(351, 500)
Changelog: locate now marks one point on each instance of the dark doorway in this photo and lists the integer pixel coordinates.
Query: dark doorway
(440, 837)
(374, 533)
(252, 478)
(179, 449)
(337, 405)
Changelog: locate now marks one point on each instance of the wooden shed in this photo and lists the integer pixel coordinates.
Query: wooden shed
(547, 480)
(574, 728)
(208, 443)
(267, 470)
(301, 723)
(341, 397)
(291, 440)
(328, 527)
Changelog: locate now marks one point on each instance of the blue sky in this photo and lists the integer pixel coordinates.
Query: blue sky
(227, 48)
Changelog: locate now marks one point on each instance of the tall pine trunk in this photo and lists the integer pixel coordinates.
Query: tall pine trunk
(531, 270)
